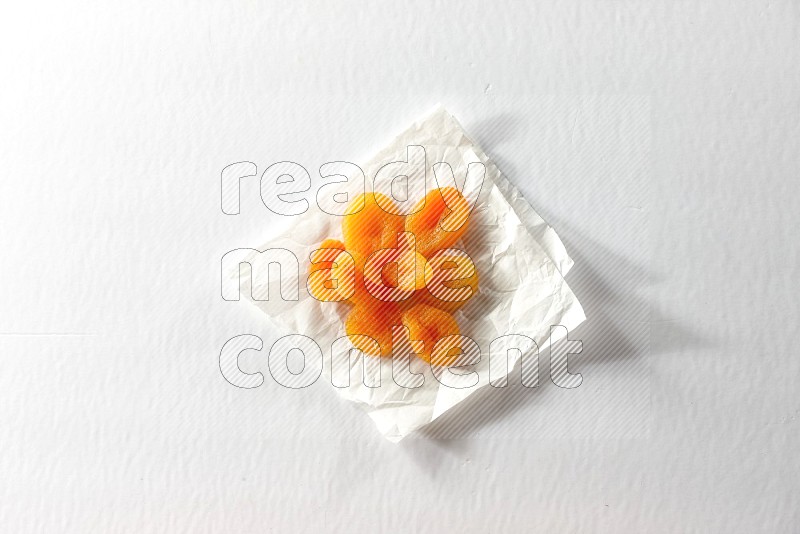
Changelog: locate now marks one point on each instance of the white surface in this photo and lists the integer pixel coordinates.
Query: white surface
(117, 120)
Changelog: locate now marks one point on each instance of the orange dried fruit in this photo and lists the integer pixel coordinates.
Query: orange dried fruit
(361, 295)
(331, 275)
(367, 227)
(375, 322)
(453, 280)
(394, 274)
(429, 324)
(439, 220)
(398, 270)
(332, 243)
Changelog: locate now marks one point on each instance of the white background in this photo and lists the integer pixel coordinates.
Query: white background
(660, 139)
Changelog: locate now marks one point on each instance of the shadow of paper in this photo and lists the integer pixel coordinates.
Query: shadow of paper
(617, 335)
(614, 293)
(499, 129)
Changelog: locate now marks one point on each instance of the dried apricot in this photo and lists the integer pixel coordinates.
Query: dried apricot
(453, 280)
(428, 324)
(394, 274)
(398, 270)
(331, 274)
(397, 274)
(439, 220)
(367, 227)
(375, 322)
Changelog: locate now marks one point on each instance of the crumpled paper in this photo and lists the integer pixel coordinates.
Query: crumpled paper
(521, 264)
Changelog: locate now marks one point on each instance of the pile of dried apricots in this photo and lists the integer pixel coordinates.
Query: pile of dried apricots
(398, 270)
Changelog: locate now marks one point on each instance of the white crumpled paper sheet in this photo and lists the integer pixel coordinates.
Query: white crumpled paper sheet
(520, 260)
